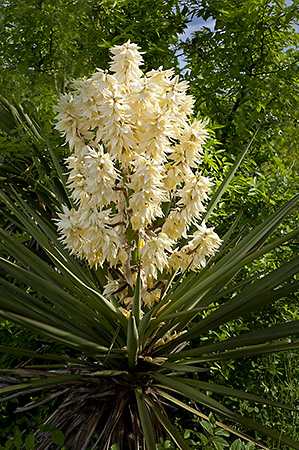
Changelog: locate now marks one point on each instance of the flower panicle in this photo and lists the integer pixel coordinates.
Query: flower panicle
(134, 175)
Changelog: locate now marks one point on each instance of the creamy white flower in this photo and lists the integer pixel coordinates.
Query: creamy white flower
(160, 77)
(176, 225)
(100, 176)
(68, 119)
(173, 177)
(126, 313)
(111, 287)
(148, 193)
(125, 62)
(196, 132)
(149, 298)
(204, 243)
(192, 196)
(153, 254)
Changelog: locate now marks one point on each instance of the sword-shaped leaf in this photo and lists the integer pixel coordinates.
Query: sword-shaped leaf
(136, 309)
(230, 392)
(203, 416)
(193, 394)
(47, 383)
(132, 342)
(244, 341)
(170, 429)
(251, 298)
(64, 337)
(146, 422)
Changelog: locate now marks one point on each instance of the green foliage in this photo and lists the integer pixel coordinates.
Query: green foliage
(243, 70)
(209, 436)
(47, 43)
(19, 441)
(212, 436)
(273, 375)
(22, 440)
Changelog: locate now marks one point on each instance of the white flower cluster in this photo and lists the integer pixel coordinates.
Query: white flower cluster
(134, 175)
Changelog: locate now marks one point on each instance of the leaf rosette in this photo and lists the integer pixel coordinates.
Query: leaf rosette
(134, 276)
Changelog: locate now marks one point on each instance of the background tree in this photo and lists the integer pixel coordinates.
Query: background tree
(243, 70)
(44, 44)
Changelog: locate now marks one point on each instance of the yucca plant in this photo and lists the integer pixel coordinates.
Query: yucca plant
(133, 281)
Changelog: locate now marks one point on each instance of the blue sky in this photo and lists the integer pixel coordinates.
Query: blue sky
(196, 25)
